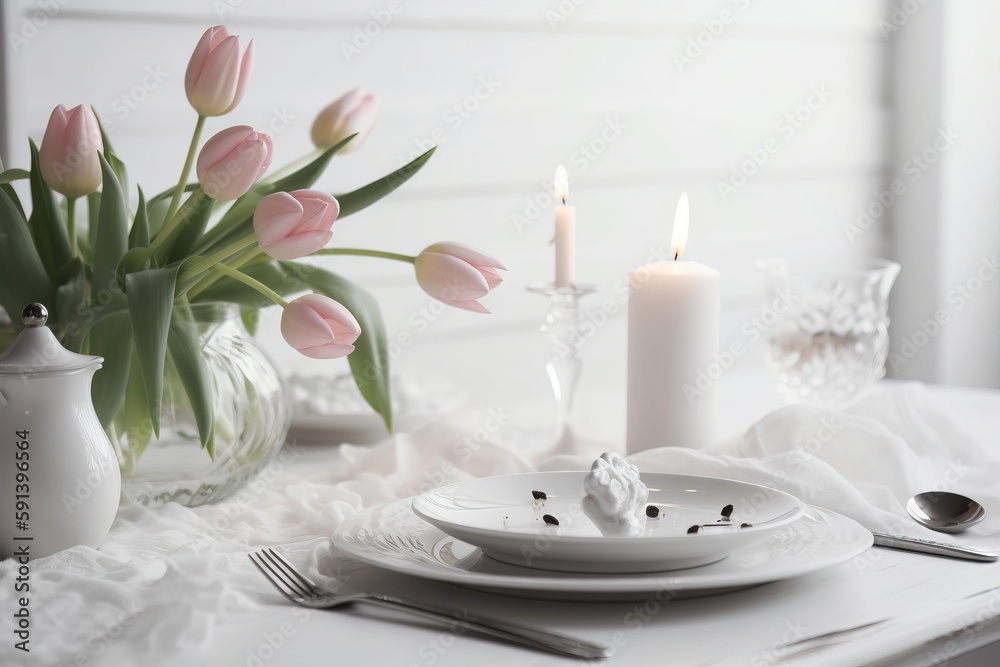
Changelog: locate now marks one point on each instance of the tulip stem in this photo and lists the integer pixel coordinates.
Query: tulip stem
(250, 282)
(71, 224)
(175, 201)
(207, 263)
(367, 253)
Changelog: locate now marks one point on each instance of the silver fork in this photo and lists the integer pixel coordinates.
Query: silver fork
(302, 591)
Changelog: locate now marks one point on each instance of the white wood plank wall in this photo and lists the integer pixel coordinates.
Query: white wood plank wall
(533, 82)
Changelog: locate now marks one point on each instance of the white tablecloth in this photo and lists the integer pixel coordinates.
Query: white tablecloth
(175, 581)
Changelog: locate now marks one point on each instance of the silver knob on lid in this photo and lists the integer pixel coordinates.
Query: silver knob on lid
(34, 315)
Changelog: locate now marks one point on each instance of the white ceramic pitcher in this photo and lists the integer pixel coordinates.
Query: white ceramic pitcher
(59, 477)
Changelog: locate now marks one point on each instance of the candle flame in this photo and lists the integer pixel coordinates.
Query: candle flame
(682, 219)
(561, 184)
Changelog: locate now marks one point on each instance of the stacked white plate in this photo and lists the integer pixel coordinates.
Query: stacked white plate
(494, 534)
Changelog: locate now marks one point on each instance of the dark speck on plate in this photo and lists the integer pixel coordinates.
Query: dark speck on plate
(652, 511)
(727, 511)
(549, 519)
(693, 529)
(746, 525)
(538, 495)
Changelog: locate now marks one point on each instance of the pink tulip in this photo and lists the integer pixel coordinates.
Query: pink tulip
(457, 274)
(290, 225)
(217, 72)
(68, 155)
(232, 161)
(319, 327)
(355, 112)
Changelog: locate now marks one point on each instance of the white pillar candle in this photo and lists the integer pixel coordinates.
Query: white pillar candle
(565, 237)
(673, 333)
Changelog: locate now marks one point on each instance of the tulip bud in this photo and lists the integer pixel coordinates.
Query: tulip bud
(354, 113)
(68, 154)
(457, 274)
(232, 161)
(319, 327)
(290, 225)
(217, 72)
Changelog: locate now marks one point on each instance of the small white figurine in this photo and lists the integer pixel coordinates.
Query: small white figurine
(615, 496)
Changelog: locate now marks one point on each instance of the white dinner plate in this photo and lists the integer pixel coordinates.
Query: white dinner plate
(392, 537)
(499, 515)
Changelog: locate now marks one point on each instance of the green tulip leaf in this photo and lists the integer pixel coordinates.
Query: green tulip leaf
(251, 319)
(93, 213)
(14, 175)
(136, 420)
(138, 237)
(48, 230)
(132, 261)
(150, 296)
(363, 197)
(15, 200)
(69, 300)
(121, 173)
(307, 176)
(111, 237)
(185, 352)
(25, 279)
(194, 215)
(111, 338)
(169, 192)
(370, 359)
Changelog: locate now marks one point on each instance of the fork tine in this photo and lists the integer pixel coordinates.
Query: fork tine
(289, 569)
(289, 587)
(273, 578)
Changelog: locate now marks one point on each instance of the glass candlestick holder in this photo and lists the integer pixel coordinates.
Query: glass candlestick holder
(561, 327)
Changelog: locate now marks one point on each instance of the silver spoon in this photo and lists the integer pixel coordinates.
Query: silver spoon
(945, 512)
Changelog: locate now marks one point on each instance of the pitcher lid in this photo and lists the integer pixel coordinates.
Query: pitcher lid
(36, 349)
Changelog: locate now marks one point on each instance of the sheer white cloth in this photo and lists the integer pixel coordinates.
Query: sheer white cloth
(165, 577)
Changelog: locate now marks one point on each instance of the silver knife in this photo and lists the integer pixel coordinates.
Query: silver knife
(931, 547)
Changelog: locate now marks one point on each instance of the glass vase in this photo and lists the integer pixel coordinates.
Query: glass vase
(252, 416)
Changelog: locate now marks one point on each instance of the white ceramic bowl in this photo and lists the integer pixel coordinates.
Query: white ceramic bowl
(499, 515)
